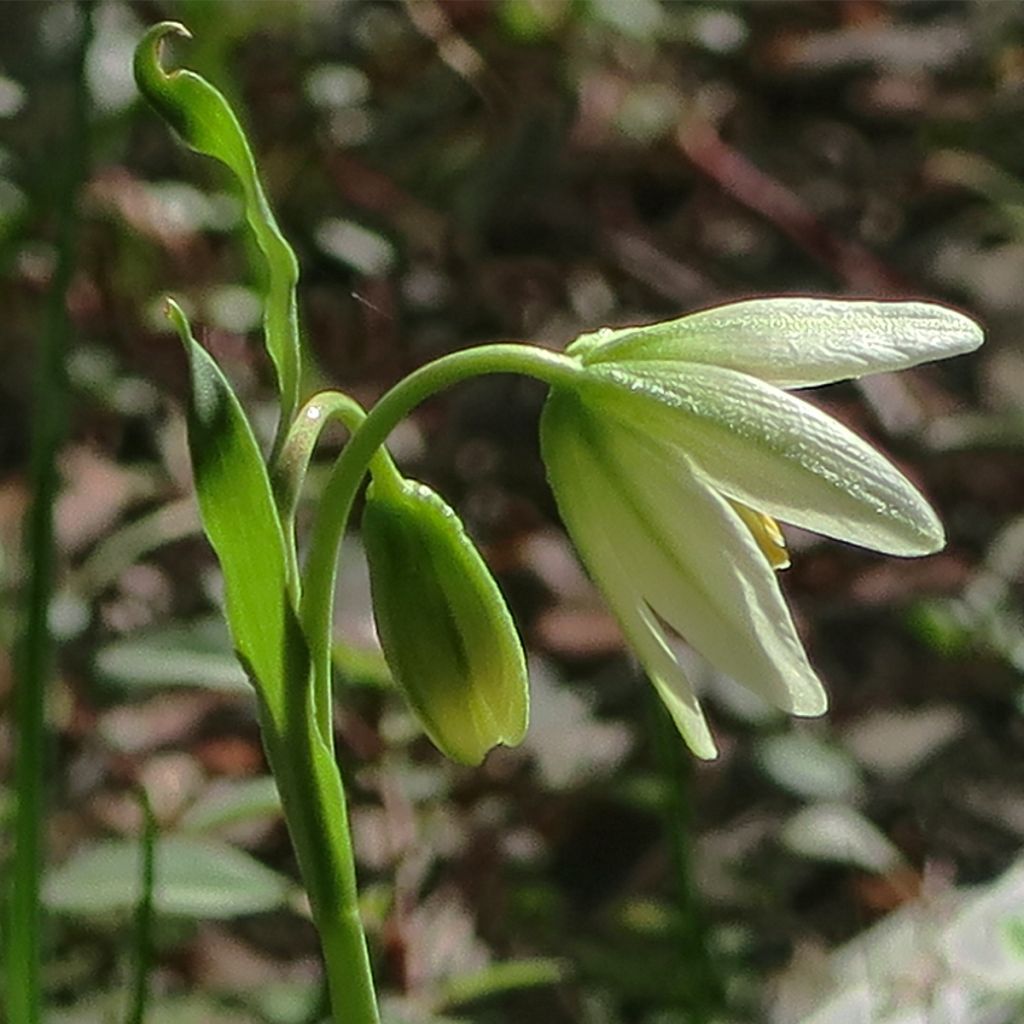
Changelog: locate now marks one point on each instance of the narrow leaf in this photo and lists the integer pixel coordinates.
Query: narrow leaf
(240, 520)
(231, 802)
(842, 835)
(196, 654)
(207, 124)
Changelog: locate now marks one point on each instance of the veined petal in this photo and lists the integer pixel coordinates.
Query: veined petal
(580, 487)
(798, 342)
(757, 444)
(678, 551)
(701, 570)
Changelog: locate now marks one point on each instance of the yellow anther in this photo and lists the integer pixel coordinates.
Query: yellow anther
(767, 534)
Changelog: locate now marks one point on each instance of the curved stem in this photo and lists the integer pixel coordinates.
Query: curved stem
(317, 605)
(288, 473)
(289, 469)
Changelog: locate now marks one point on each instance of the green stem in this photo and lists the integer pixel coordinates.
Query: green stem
(289, 471)
(315, 808)
(676, 766)
(144, 915)
(23, 953)
(317, 608)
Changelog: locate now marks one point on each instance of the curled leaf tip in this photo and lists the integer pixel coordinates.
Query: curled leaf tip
(148, 69)
(166, 28)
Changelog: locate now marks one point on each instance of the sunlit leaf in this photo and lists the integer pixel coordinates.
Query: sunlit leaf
(842, 835)
(809, 767)
(230, 802)
(198, 655)
(205, 121)
(240, 519)
(498, 979)
(193, 878)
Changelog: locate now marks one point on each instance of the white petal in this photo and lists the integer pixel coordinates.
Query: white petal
(801, 342)
(579, 485)
(659, 540)
(701, 570)
(772, 451)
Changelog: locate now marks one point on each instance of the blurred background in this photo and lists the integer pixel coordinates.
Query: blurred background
(458, 172)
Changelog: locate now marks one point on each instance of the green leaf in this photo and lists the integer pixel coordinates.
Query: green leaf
(207, 124)
(232, 802)
(198, 654)
(499, 979)
(193, 878)
(810, 767)
(984, 940)
(241, 521)
(842, 835)
(285, 1002)
(360, 666)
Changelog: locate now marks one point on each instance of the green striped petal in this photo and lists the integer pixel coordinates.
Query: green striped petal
(571, 470)
(662, 545)
(796, 342)
(770, 450)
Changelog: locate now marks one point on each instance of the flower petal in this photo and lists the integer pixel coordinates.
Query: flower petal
(622, 495)
(799, 342)
(701, 570)
(579, 485)
(771, 450)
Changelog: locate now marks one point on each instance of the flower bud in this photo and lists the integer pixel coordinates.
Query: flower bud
(445, 630)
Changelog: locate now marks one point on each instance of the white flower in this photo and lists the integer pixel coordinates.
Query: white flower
(676, 450)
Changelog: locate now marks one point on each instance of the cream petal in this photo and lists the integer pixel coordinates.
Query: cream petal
(602, 540)
(701, 570)
(648, 640)
(771, 450)
(799, 342)
(659, 540)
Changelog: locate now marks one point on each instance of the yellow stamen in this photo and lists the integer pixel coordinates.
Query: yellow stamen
(767, 534)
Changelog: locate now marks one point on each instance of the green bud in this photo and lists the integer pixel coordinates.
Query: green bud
(444, 627)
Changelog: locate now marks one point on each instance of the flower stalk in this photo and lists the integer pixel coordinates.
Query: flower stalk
(352, 465)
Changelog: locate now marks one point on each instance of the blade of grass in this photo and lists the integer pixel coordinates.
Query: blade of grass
(144, 916)
(23, 993)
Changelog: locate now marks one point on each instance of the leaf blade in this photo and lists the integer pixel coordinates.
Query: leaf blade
(240, 519)
(204, 120)
(192, 878)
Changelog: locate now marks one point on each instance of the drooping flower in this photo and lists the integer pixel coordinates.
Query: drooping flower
(445, 630)
(674, 453)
